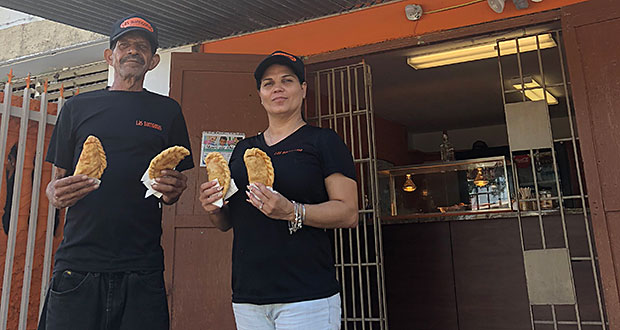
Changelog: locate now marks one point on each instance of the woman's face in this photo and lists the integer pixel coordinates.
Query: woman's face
(280, 91)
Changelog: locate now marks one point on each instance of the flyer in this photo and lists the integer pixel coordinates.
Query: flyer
(222, 142)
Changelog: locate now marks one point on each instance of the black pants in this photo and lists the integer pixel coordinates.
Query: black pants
(106, 301)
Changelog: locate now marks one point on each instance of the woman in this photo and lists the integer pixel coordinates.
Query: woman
(283, 269)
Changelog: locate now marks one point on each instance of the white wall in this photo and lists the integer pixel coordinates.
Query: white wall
(9, 18)
(462, 139)
(158, 80)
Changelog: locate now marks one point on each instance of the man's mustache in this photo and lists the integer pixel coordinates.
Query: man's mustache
(136, 58)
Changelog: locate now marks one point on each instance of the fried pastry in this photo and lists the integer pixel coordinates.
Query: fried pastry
(259, 167)
(92, 160)
(167, 160)
(217, 168)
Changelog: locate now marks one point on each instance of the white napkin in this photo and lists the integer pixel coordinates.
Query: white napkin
(231, 191)
(256, 187)
(148, 183)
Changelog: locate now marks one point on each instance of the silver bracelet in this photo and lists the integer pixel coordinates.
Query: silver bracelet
(300, 216)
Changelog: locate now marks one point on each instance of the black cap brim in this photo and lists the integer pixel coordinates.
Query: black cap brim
(277, 59)
(149, 37)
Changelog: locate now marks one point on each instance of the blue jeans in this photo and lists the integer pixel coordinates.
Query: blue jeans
(319, 314)
(105, 301)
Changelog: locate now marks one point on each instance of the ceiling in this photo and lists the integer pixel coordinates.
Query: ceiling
(182, 22)
(453, 96)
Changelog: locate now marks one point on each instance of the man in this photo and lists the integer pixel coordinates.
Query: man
(108, 270)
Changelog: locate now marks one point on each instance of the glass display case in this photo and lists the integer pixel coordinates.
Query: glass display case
(447, 188)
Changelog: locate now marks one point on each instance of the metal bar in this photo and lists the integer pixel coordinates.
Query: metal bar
(501, 75)
(366, 199)
(357, 230)
(13, 221)
(333, 110)
(375, 206)
(34, 214)
(555, 319)
(4, 125)
(49, 235)
(33, 115)
(520, 68)
(340, 115)
(343, 104)
(546, 322)
(569, 197)
(580, 258)
(540, 220)
(515, 174)
(363, 264)
(331, 103)
(343, 284)
(566, 139)
(47, 256)
(317, 107)
(523, 88)
(349, 231)
(580, 180)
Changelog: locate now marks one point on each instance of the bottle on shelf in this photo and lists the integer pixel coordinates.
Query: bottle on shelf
(446, 148)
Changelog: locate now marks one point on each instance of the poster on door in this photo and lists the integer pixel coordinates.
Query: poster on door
(222, 142)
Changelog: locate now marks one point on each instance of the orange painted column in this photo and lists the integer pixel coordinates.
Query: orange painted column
(369, 26)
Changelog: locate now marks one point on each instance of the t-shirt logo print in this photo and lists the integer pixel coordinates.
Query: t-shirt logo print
(149, 124)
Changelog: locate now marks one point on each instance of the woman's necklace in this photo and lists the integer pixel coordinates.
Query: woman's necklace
(271, 140)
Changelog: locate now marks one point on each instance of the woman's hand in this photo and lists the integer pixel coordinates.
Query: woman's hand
(209, 193)
(270, 202)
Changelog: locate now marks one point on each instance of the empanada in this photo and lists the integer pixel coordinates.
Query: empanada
(217, 168)
(259, 167)
(92, 160)
(167, 160)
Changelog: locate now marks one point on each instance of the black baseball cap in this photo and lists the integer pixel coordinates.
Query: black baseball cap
(135, 23)
(284, 58)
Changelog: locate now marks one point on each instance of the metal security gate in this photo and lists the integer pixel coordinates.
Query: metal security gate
(28, 120)
(343, 102)
(556, 235)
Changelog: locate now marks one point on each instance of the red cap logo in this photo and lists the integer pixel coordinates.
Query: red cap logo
(292, 58)
(136, 22)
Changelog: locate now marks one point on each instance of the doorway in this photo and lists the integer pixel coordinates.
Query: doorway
(474, 270)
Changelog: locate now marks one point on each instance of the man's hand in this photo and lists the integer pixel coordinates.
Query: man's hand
(65, 192)
(171, 184)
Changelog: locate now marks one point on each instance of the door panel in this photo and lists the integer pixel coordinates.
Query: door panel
(216, 93)
(591, 35)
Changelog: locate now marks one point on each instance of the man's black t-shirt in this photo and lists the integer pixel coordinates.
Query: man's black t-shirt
(269, 264)
(115, 228)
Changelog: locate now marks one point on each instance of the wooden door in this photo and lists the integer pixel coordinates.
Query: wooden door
(217, 93)
(592, 31)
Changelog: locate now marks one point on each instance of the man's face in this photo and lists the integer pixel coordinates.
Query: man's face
(132, 56)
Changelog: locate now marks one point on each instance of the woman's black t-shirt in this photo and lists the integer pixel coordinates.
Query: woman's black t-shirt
(269, 264)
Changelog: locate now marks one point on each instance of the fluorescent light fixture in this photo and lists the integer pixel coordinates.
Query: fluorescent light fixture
(479, 51)
(533, 90)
